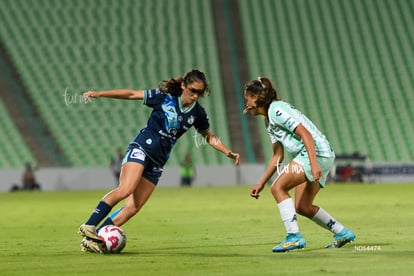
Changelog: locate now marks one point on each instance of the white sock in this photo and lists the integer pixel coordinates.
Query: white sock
(322, 218)
(288, 214)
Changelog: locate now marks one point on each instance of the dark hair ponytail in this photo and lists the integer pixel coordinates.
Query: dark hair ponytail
(173, 85)
(263, 89)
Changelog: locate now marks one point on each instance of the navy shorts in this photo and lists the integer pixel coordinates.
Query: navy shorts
(152, 171)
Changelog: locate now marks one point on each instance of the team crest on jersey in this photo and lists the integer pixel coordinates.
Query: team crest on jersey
(190, 120)
(173, 131)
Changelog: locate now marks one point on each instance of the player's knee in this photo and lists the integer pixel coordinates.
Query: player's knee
(133, 209)
(304, 210)
(123, 193)
(274, 190)
(278, 190)
(300, 210)
(130, 211)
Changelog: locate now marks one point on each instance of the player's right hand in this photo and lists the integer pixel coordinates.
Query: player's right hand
(87, 95)
(255, 191)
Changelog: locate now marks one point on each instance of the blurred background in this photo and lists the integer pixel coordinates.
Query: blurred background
(348, 65)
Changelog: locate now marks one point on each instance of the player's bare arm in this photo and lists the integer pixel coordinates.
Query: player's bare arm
(216, 143)
(126, 94)
(307, 139)
(274, 162)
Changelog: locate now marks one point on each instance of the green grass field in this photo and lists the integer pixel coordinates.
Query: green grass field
(210, 231)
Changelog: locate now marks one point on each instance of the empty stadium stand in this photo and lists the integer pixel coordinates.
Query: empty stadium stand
(346, 64)
(63, 48)
(14, 152)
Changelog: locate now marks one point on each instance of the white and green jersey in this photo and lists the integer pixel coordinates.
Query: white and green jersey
(283, 119)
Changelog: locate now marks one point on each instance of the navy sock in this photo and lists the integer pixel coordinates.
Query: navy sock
(106, 222)
(101, 211)
(109, 220)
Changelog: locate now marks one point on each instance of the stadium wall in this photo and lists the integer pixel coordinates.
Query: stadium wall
(62, 179)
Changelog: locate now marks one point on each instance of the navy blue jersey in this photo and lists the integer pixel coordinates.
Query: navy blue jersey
(167, 122)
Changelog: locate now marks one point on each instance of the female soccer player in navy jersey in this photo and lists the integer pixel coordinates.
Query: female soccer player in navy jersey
(313, 159)
(175, 109)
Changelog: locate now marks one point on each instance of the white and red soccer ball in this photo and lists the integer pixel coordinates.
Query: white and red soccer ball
(113, 238)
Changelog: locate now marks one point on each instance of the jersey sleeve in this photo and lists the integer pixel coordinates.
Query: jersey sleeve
(153, 97)
(272, 137)
(202, 122)
(283, 116)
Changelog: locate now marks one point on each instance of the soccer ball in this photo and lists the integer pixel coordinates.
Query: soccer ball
(113, 238)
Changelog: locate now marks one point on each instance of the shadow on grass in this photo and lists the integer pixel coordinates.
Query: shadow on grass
(223, 250)
(193, 250)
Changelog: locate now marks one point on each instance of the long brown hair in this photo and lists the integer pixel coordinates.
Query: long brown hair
(173, 85)
(264, 90)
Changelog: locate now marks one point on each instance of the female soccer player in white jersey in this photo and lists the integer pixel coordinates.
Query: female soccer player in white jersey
(313, 159)
(175, 109)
